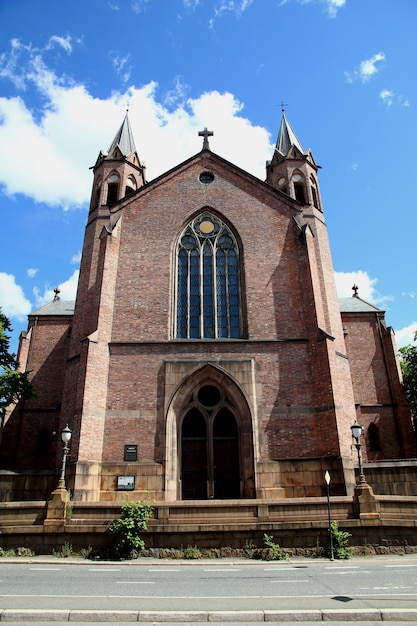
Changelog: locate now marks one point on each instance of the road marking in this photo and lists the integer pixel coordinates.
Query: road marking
(278, 569)
(364, 571)
(44, 569)
(135, 582)
(71, 597)
(289, 581)
(222, 569)
(342, 566)
(402, 565)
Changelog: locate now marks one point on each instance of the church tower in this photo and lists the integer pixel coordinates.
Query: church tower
(118, 174)
(293, 171)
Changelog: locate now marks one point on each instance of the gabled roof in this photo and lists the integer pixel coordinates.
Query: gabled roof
(287, 138)
(346, 305)
(124, 139)
(56, 307)
(354, 304)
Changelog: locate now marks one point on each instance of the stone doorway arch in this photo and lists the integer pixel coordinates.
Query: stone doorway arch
(209, 439)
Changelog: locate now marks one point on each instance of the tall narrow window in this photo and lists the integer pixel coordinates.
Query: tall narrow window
(112, 189)
(208, 286)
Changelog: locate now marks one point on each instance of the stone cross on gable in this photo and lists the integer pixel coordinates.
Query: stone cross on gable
(206, 134)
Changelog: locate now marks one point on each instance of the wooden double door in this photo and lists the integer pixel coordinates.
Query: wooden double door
(210, 465)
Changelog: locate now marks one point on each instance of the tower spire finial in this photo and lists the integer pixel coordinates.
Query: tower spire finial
(283, 105)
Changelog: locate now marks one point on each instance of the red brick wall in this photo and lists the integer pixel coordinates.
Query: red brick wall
(46, 359)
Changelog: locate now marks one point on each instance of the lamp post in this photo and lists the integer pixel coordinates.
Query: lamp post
(327, 479)
(66, 434)
(357, 432)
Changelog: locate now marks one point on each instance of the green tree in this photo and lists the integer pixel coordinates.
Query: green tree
(14, 385)
(409, 369)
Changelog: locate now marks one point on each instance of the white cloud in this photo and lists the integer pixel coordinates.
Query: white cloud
(72, 127)
(64, 42)
(366, 69)
(31, 272)
(191, 4)
(366, 287)
(387, 96)
(139, 5)
(177, 93)
(225, 7)
(13, 301)
(333, 6)
(121, 66)
(76, 259)
(67, 291)
(405, 336)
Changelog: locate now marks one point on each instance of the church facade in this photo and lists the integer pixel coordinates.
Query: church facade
(207, 355)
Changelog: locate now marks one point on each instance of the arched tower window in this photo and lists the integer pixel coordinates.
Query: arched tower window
(299, 188)
(112, 189)
(314, 192)
(130, 185)
(208, 286)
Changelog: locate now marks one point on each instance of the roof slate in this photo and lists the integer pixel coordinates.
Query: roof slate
(124, 139)
(56, 307)
(287, 138)
(346, 305)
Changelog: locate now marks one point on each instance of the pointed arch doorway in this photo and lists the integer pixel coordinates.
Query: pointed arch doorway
(210, 459)
(209, 438)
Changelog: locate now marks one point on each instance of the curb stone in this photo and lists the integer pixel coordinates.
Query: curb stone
(315, 615)
(312, 615)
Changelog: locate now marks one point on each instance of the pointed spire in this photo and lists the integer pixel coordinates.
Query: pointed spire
(124, 139)
(287, 138)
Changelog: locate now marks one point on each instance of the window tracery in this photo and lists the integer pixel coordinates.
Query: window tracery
(208, 287)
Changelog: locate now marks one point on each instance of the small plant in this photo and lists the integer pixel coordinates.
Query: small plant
(22, 551)
(249, 549)
(192, 552)
(133, 521)
(341, 550)
(272, 552)
(85, 553)
(4, 552)
(69, 507)
(65, 551)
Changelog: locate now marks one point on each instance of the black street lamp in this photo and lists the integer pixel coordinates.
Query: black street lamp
(66, 434)
(357, 432)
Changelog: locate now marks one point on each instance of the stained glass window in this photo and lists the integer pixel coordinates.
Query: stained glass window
(208, 287)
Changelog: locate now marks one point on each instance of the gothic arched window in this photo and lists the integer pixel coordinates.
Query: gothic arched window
(208, 285)
(112, 189)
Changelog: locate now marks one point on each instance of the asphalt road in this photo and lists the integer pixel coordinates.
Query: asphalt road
(223, 585)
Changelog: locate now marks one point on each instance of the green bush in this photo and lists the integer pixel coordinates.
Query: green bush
(192, 552)
(65, 551)
(16, 552)
(341, 550)
(272, 552)
(133, 521)
(86, 553)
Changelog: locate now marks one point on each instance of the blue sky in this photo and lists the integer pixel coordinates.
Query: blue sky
(346, 70)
